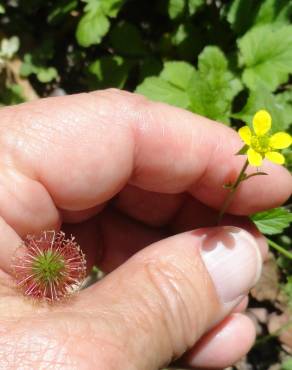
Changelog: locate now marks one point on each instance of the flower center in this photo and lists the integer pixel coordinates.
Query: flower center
(260, 144)
(48, 267)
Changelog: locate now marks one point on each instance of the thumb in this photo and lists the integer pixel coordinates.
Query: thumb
(161, 301)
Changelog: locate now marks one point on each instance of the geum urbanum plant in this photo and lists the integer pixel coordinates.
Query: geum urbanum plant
(259, 144)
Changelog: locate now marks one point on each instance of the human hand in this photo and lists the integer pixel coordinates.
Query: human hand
(126, 176)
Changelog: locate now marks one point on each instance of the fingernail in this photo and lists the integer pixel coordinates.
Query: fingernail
(233, 261)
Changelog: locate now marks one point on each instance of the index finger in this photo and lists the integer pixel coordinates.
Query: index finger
(82, 149)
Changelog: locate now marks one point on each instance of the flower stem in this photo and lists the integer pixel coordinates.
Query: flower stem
(232, 190)
(279, 249)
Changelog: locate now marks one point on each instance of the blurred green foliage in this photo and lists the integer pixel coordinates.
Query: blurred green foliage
(221, 59)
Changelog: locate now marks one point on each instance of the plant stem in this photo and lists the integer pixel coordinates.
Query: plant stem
(279, 249)
(273, 335)
(233, 188)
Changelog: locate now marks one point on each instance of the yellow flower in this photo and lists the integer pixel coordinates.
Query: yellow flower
(261, 144)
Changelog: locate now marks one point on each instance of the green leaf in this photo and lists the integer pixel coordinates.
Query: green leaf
(155, 88)
(194, 5)
(108, 72)
(47, 74)
(35, 64)
(27, 66)
(94, 24)
(272, 222)
(244, 14)
(126, 40)
(189, 41)
(92, 27)
(176, 8)
(11, 95)
(178, 74)
(9, 47)
(213, 88)
(2, 9)
(208, 91)
(111, 7)
(60, 10)
(266, 54)
(287, 364)
(240, 14)
(287, 289)
(171, 86)
(288, 156)
(261, 98)
(284, 101)
(274, 11)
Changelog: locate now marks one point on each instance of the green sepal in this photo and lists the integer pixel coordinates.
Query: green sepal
(228, 186)
(254, 174)
(243, 150)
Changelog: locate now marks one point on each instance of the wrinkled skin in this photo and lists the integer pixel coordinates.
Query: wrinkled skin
(122, 173)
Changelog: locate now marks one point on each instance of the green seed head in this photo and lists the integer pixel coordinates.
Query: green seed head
(49, 266)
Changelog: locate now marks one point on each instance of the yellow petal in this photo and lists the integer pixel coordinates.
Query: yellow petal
(254, 158)
(280, 140)
(245, 134)
(275, 157)
(262, 122)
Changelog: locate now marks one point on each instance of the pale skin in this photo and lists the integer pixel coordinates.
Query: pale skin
(122, 173)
